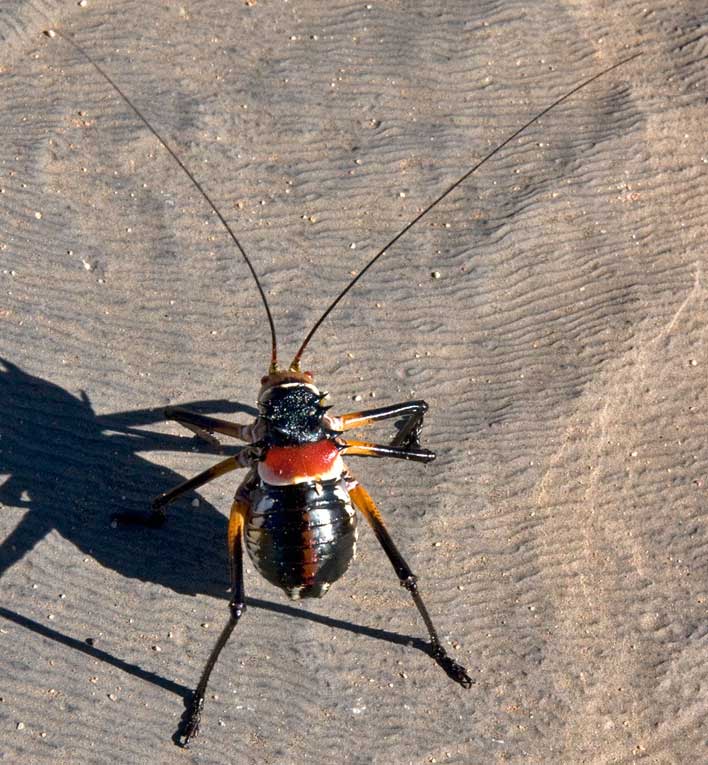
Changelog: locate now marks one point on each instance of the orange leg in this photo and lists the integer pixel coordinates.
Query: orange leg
(366, 505)
(189, 726)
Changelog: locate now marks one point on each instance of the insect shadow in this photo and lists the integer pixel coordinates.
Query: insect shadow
(70, 470)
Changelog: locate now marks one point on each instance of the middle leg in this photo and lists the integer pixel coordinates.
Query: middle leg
(365, 449)
(158, 515)
(221, 468)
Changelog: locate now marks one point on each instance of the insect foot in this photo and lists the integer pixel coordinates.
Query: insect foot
(189, 725)
(453, 670)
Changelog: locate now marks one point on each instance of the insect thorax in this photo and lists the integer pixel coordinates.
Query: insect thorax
(292, 413)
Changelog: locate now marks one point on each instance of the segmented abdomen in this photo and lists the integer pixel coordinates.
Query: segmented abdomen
(301, 537)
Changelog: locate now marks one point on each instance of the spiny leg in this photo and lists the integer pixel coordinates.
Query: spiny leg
(157, 516)
(189, 726)
(365, 504)
(366, 449)
(412, 413)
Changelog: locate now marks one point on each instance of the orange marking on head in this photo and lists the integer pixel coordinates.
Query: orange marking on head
(279, 376)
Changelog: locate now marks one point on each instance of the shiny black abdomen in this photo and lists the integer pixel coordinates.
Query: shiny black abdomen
(301, 537)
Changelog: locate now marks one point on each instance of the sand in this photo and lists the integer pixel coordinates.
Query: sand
(552, 312)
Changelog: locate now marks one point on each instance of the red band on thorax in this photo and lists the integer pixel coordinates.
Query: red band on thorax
(306, 460)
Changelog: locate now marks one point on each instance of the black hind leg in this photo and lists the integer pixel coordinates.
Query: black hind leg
(189, 725)
(365, 504)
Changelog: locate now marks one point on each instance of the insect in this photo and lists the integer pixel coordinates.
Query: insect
(295, 510)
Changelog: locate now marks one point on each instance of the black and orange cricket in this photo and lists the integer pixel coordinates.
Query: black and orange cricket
(295, 509)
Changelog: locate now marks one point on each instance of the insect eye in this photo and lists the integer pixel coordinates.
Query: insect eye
(264, 379)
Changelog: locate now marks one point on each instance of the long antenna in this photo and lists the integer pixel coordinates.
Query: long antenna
(187, 172)
(296, 361)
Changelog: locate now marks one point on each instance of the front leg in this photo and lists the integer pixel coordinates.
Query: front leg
(203, 425)
(410, 412)
(366, 505)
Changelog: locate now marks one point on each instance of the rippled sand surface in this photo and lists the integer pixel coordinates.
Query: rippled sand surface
(552, 312)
